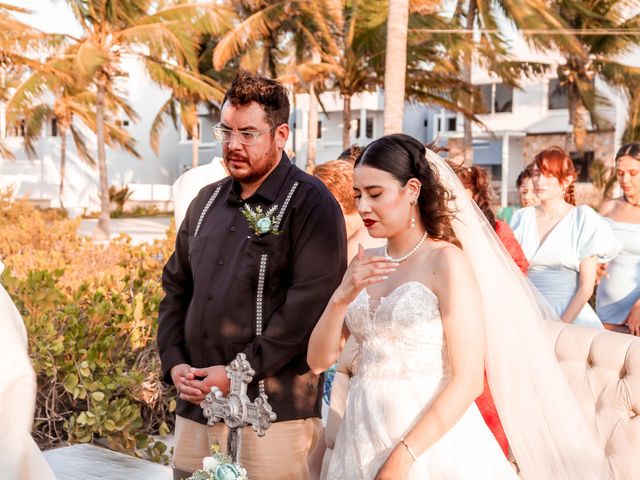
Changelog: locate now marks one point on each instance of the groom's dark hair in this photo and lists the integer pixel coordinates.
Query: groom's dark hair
(270, 94)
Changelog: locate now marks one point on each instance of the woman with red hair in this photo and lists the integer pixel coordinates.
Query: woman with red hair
(562, 242)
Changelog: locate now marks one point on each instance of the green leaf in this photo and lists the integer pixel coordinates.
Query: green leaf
(164, 429)
(110, 425)
(70, 382)
(97, 396)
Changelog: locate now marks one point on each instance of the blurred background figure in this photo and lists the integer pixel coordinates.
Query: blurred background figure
(337, 175)
(618, 295)
(20, 458)
(187, 185)
(477, 183)
(351, 154)
(524, 184)
(563, 243)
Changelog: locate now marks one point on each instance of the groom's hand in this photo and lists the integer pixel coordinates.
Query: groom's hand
(203, 380)
(181, 376)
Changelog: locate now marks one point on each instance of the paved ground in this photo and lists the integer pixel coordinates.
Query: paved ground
(142, 229)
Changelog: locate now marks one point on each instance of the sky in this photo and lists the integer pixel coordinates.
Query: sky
(52, 16)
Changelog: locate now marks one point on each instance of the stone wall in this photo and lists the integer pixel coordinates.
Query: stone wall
(601, 143)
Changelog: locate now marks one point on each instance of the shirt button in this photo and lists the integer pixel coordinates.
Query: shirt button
(233, 229)
(210, 297)
(220, 262)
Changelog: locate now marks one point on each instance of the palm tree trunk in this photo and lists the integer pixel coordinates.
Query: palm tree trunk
(102, 228)
(346, 120)
(195, 144)
(467, 143)
(312, 130)
(395, 65)
(63, 161)
(578, 115)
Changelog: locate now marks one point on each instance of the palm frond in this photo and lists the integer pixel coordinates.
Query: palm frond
(81, 146)
(168, 109)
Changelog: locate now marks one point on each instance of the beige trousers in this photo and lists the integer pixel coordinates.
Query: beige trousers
(282, 454)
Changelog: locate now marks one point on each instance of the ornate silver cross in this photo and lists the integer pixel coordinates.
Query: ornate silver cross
(236, 410)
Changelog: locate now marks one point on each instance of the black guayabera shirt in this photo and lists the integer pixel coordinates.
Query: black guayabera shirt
(219, 283)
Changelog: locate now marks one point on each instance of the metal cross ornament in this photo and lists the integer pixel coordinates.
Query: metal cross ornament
(236, 410)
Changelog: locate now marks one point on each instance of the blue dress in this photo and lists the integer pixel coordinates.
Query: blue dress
(618, 293)
(554, 265)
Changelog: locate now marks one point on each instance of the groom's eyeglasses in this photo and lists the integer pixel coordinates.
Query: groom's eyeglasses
(245, 137)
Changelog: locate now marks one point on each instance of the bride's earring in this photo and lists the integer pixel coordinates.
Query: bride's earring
(413, 217)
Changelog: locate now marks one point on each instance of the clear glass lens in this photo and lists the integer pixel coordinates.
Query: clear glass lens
(245, 137)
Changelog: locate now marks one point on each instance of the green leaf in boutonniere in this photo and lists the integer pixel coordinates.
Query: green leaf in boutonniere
(261, 222)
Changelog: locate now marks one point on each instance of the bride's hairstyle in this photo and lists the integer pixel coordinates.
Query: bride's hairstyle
(555, 161)
(404, 158)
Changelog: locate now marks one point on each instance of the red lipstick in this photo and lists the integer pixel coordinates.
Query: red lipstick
(369, 223)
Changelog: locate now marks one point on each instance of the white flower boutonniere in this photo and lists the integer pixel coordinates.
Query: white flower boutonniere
(261, 222)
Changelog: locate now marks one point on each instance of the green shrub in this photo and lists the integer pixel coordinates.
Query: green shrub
(91, 314)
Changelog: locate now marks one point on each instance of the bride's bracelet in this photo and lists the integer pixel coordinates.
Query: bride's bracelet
(409, 449)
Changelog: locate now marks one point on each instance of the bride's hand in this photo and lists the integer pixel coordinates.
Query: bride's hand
(361, 272)
(397, 466)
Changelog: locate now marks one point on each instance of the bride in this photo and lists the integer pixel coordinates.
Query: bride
(429, 309)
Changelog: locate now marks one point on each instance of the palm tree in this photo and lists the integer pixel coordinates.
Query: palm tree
(597, 57)
(185, 102)
(395, 65)
(485, 24)
(17, 43)
(159, 39)
(72, 100)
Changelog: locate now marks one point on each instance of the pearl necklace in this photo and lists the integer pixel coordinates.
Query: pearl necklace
(405, 257)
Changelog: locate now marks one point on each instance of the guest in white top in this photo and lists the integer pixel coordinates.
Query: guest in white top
(20, 458)
(562, 242)
(618, 296)
(187, 186)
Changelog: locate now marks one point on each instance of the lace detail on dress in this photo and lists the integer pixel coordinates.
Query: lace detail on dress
(403, 366)
(400, 334)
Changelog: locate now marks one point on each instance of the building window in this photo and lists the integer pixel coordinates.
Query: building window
(558, 96)
(369, 128)
(355, 127)
(186, 136)
(451, 124)
(502, 98)
(582, 162)
(16, 130)
(319, 132)
(53, 127)
(495, 171)
(494, 98)
(486, 94)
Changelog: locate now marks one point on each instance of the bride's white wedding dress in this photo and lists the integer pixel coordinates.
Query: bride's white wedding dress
(403, 366)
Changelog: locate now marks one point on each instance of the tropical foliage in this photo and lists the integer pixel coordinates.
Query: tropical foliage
(605, 31)
(90, 314)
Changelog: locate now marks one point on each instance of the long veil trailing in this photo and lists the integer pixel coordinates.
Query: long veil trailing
(547, 431)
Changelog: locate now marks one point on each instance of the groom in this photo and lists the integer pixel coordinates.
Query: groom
(256, 260)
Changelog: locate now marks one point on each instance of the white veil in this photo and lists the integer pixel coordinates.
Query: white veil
(546, 429)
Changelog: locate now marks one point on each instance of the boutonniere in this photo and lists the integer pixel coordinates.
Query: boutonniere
(261, 222)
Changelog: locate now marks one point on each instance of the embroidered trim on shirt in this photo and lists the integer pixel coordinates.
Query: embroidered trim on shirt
(259, 299)
(278, 220)
(206, 208)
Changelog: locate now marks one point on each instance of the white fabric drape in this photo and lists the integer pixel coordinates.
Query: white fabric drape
(547, 431)
(20, 458)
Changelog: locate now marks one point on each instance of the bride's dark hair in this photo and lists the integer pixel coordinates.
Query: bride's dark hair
(404, 158)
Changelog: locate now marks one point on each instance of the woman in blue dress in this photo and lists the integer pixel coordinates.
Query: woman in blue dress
(562, 242)
(618, 296)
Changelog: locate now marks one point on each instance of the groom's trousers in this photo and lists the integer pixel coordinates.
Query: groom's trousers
(282, 454)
